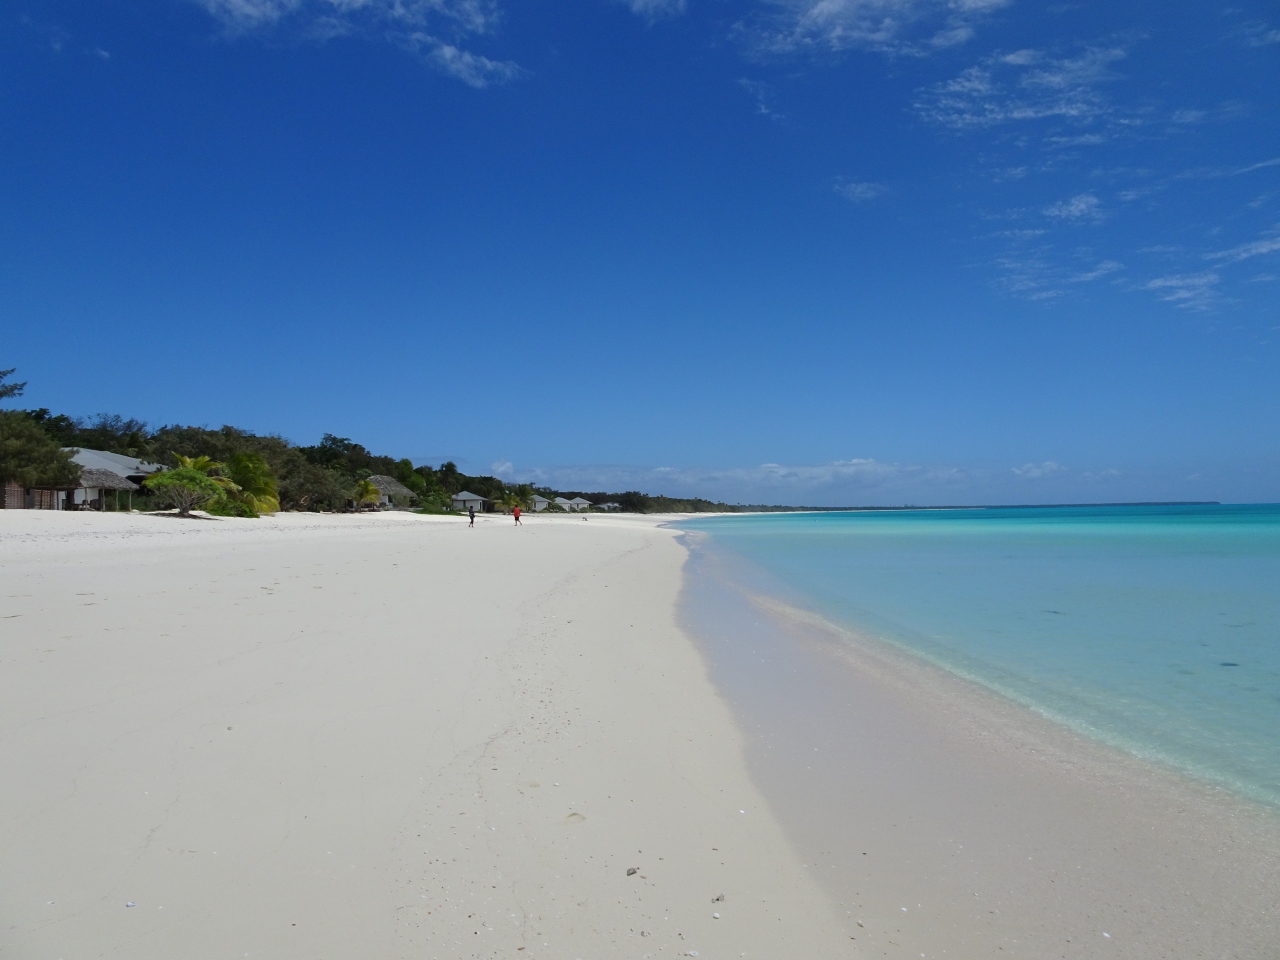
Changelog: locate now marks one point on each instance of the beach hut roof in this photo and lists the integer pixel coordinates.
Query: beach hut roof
(562, 501)
(465, 495)
(390, 486)
(580, 501)
(117, 463)
(91, 477)
(537, 498)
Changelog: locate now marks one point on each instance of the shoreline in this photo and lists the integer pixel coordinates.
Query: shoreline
(374, 736)
(997, 828)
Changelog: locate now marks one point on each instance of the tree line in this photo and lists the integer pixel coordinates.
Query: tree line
(326, 476)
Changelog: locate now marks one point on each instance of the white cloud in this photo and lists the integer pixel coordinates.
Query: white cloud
(1189, 116)
(656, 9)
(1260, 35)
(1023, 86)
(1104, 269)
(472, 69)
(896, 26)
(858, 191)
(413, 24)
(1083, 206)
(772, 482)
(1193, 290)
(1246, 251)
(763, 94)
(1035, 471)
(501, 468)
(1274, 162)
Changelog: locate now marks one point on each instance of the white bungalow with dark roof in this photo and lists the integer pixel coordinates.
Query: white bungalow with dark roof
(537, 504)
(577, 503)
(464, 501)
(563, 504)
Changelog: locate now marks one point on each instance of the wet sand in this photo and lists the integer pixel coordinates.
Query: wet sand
(952, 822)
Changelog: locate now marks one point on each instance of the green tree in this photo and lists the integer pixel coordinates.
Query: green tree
(30, 458)
(255, 482)
(185, 488)
(8, 390)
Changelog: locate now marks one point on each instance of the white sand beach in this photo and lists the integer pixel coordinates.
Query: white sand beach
(374, 736)
(393, 736)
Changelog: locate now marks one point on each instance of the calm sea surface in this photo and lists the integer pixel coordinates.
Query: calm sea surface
(1156, 629)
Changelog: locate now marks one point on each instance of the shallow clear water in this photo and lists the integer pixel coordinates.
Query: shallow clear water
(1156, 629)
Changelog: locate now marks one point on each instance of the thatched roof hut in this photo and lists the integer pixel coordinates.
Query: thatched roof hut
(92, 478)
(392, 490)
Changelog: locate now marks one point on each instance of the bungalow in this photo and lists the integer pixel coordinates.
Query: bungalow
(91, 494)
(393, 492)
(610, 507)
(538, 504)
(464, 501)
(100, 472)
(563, 504)
(577, 503)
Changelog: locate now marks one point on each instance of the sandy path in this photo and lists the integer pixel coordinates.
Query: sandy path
(372, 737)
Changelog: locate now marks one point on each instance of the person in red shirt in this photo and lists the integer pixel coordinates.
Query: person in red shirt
(516, 512)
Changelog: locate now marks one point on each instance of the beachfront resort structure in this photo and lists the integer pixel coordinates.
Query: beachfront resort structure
(392, 493)
(102, 474)
(464, 501)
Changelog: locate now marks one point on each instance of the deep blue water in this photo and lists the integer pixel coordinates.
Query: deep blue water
(1156, 629)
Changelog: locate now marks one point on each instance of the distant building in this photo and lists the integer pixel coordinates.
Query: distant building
(563, 504)
(393, 492)
(609, 506)
(577, 503)
(538, 504)
(464, 501)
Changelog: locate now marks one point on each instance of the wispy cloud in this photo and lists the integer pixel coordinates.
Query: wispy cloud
(913, 27)
(861, 480)
(764, 96)
(1257, 34)
(472, 69)
(858, 191)
(1191, 290)
(1273, 162)
(1246, 251)
(656, 9)
(1105, 269)
(1037, 471)
(1081, 207)
(430, 28)
(794, 483)
(1025, 85)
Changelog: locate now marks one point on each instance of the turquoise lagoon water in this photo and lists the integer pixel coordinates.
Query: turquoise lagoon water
(1155, 629)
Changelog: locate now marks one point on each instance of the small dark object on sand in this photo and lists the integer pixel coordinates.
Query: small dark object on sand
(632, 870)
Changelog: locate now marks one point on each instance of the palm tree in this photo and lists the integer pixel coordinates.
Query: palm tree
(366, 492)
(256, 487)
(246, 477)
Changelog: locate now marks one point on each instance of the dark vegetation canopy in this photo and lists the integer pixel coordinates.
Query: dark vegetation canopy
(325, 476)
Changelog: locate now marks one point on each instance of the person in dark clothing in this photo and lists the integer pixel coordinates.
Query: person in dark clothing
(471, 512)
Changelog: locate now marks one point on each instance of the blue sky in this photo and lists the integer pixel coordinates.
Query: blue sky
(835, 252)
